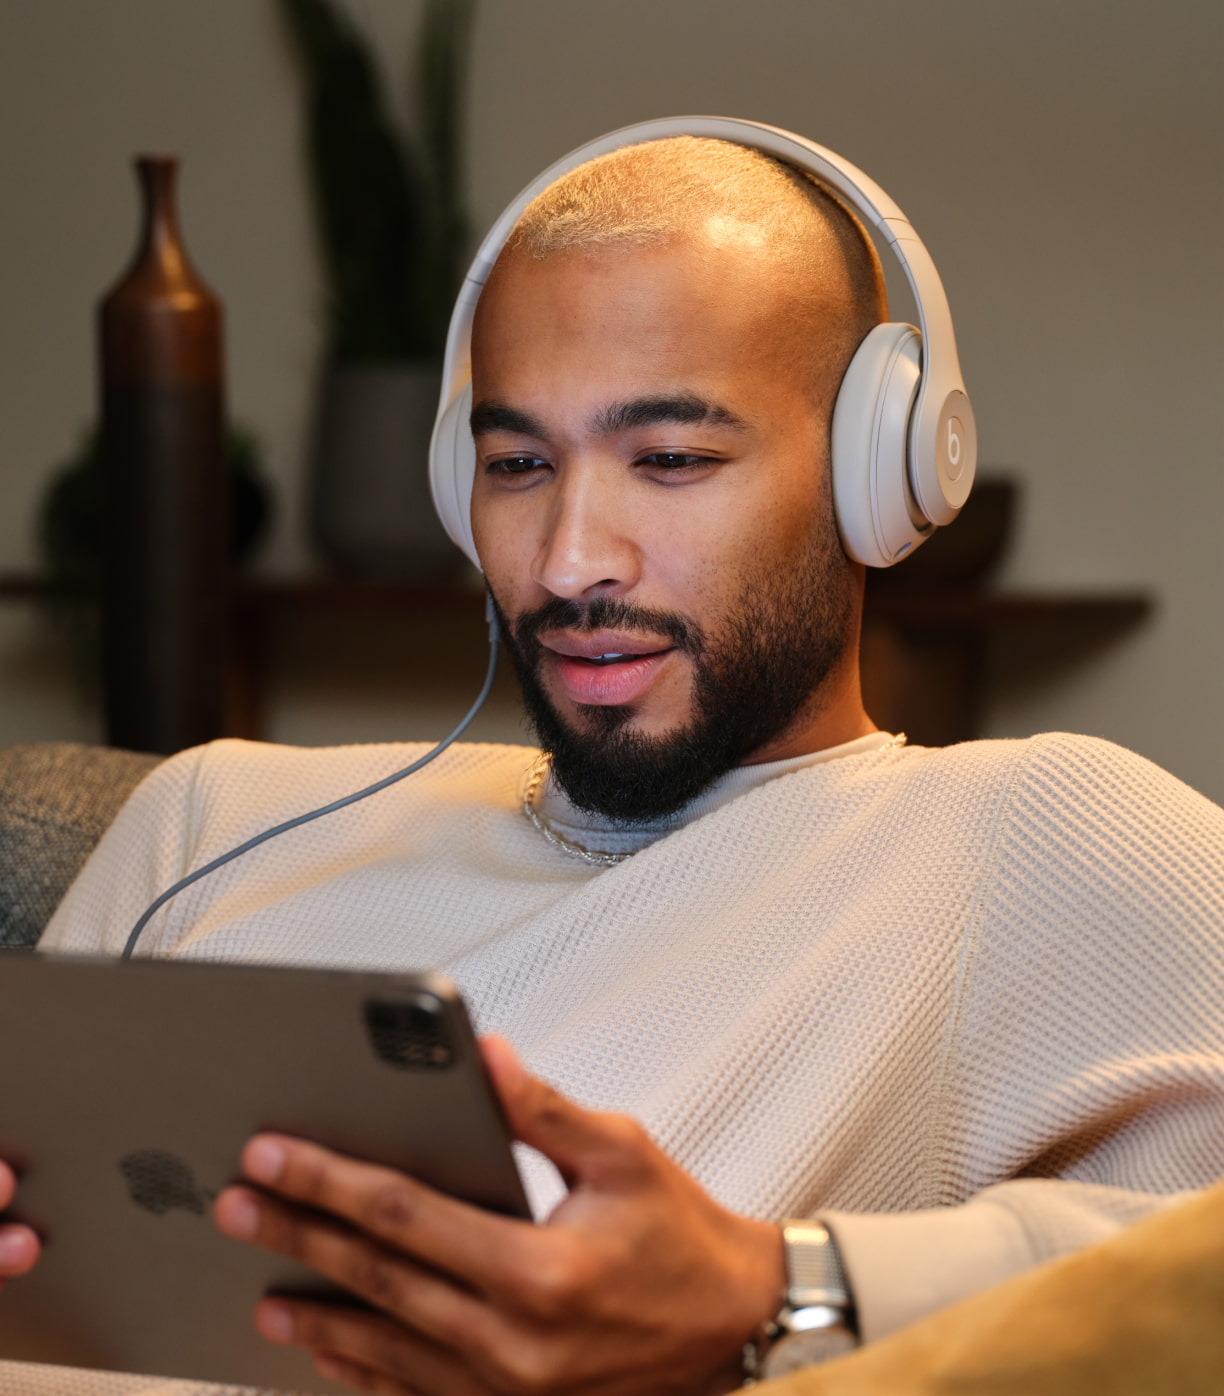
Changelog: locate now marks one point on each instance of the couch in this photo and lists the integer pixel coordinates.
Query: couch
(56, 800)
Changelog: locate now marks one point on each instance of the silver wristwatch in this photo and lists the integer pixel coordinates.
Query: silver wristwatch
(816, 1321)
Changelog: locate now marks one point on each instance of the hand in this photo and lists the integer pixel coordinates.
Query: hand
(638, 1282)
(18, 1244)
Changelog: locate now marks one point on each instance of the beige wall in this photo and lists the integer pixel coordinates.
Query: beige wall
(1062, 159)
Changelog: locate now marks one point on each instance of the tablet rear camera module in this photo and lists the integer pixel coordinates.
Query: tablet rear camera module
(409, 1033)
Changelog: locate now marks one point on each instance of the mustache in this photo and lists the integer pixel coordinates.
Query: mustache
(605, 613)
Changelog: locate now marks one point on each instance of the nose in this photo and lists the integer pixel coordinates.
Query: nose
(587, 549)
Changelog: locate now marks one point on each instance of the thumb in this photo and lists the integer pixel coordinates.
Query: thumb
(586, 1145)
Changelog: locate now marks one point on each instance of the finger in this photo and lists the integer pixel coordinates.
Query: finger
(479, 1247)
(426, 1301)
(368, 1342)
(359, 1378)
(19, 1250)
(603, 1149)
(19, 1245)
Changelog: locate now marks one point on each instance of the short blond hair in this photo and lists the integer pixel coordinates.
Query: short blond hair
(658, 190)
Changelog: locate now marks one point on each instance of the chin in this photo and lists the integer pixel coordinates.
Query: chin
(626, 719)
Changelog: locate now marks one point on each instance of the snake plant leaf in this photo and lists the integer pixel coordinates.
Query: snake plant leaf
(379, 207)
(441, 90)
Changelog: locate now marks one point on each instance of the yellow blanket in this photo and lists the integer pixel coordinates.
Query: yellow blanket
(1138, 1315)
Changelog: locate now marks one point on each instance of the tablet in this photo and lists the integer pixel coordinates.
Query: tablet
(126, 1093)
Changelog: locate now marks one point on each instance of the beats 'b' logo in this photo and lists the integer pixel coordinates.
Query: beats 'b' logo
(953, 447)
(955, 453)
(160, 1183)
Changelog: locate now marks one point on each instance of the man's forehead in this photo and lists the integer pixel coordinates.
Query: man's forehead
(694, 307)
(606, 330)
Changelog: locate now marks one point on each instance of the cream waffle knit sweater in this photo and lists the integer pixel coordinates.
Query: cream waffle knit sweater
(879, 986)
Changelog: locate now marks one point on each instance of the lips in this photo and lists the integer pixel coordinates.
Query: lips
(605, 668)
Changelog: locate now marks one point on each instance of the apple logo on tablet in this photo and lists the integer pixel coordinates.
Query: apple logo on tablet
(160, 1183)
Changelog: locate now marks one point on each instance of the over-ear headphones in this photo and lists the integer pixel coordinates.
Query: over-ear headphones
(904, 444)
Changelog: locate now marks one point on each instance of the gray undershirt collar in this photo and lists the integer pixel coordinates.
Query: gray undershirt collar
(592, 830)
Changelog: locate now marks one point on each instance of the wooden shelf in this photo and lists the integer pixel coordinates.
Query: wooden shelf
(1001, 610)
(927, 606)
(930, 654)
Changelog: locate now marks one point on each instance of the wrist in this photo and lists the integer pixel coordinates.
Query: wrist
(756, 1283)
(766, 1292)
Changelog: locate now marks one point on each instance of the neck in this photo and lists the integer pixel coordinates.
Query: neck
(834, 714)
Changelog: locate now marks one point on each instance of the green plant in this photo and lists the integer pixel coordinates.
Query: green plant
(69, 536)
(69, 525)
(389, 216)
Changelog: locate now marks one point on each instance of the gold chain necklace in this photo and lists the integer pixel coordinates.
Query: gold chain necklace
(595, 856)
(531, 791)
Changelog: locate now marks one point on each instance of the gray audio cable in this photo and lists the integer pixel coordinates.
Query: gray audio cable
(220, 862)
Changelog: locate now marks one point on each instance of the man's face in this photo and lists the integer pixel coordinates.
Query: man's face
(651, 508)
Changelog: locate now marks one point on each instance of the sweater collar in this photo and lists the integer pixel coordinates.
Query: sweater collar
(593, 830)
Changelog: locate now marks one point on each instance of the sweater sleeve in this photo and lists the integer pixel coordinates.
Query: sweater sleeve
(1085, 1057)
(903, 1266)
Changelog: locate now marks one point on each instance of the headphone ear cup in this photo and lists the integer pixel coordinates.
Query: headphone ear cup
(452, 470)
(877, 516)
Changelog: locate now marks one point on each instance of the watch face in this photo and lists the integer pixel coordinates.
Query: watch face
(797, 1350)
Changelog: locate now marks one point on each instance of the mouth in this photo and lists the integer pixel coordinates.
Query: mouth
(604, 669)
(601, 661)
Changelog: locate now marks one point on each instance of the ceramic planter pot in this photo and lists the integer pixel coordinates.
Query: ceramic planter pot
(371, 514)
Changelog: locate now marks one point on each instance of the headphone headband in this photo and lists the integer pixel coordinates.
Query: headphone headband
(941, 435)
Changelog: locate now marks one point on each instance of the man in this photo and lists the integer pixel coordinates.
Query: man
(819, 969)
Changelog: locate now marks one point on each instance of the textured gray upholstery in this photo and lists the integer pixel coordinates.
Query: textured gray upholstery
(56, 799)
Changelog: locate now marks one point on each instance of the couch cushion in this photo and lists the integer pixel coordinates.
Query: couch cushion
(56, 799)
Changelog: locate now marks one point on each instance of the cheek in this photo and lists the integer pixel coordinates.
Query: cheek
(507, 536)
(746, 539)
(495, 546)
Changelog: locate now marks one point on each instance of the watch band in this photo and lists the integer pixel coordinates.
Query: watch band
(816, 1321)
(814, 1271)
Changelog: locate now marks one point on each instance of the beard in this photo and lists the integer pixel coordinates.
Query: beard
(759, 667)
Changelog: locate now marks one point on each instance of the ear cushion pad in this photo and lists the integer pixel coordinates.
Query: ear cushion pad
(876, 514)
(452, 470)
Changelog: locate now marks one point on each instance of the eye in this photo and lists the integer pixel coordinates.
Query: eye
(514, 465)
(673, 460)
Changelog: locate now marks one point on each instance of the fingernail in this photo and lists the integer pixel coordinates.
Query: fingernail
(238, 1214)
(264, 1160)
(328, 1367)
(275, 1321)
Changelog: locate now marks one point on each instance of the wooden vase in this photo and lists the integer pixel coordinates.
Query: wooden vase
(164, 483)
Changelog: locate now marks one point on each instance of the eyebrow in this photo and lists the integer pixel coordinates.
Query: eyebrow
(497, 416)
(686, 409)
